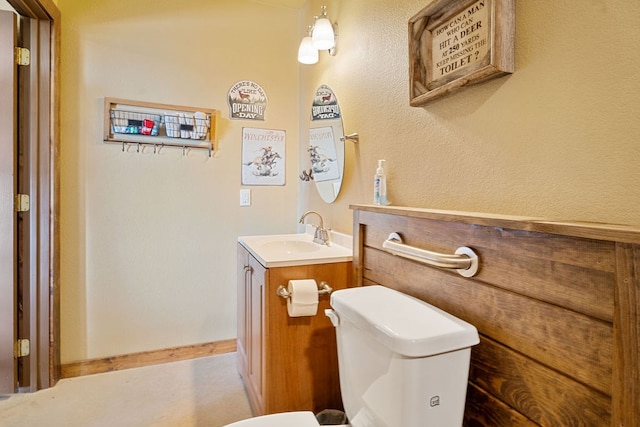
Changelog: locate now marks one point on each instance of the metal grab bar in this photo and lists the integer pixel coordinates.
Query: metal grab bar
(464, 261)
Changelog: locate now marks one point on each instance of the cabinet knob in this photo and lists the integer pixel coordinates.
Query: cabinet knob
(247, 268)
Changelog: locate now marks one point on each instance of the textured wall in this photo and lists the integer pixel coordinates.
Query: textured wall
(148, 256)
(148, 240)
(558, 138)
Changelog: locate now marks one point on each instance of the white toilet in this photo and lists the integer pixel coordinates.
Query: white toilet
(402, 362)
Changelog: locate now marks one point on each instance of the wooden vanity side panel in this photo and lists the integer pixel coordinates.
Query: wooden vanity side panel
(557, 311)
(301, 365)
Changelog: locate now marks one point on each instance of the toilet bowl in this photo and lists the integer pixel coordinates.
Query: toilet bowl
(402, 362)
(285, 419)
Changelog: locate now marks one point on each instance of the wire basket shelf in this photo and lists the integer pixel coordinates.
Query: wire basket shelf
(135, 123)
(181, 125)
(144, 124)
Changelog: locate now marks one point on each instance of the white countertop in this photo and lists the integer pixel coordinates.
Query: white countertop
(286, 250)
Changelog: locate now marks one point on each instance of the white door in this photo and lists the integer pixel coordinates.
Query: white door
(8, 98)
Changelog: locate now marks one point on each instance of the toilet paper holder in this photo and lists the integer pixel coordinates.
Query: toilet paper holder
(323, 288)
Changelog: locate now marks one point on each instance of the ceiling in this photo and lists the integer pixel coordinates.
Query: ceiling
(296, 4)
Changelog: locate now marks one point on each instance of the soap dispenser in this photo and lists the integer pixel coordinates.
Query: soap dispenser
(380, 186)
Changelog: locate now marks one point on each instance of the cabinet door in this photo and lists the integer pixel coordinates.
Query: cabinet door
(244, 282)
(251, 280)
(255, 354)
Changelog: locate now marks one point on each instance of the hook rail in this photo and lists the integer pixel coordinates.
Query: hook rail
(157, 146)
(464, 261)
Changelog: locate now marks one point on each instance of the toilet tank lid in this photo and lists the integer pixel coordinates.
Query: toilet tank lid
(404, 324)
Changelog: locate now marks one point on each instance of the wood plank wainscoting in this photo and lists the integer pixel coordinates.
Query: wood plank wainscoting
(146, 358)
(556, 305)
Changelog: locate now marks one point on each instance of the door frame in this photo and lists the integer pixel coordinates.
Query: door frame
(44, 190)
(8, 104)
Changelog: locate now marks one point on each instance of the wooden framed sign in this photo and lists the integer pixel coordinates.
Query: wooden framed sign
(457, 43)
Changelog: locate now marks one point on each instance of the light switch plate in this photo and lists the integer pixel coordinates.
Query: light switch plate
(245, 197)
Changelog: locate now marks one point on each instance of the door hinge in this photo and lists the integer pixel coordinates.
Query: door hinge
(22, 203)
(23, 56)
(21, 349)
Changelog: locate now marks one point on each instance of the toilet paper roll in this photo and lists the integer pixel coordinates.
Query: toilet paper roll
(303, 300)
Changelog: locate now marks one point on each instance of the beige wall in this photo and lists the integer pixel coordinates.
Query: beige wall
(148, 256)
(558, 138)
(148, 240)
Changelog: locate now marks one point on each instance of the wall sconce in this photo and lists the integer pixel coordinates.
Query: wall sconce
(321, 36)
(307, 52)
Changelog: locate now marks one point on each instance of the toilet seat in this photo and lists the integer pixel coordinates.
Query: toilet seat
(285, 419)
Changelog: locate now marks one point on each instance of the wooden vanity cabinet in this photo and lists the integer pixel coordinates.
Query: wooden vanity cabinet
(286, 363)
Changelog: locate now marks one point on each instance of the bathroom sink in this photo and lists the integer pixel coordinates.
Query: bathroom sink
(284, 250)
(291, 246)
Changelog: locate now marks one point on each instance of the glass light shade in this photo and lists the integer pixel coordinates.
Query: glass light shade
(323, 36)
(307, 52)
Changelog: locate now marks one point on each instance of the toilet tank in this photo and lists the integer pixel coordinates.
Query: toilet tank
(402, 362)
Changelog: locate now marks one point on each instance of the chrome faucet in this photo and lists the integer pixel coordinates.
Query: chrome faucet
(321, 235)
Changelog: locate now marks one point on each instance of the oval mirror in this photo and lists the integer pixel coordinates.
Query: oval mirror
(326, 144)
